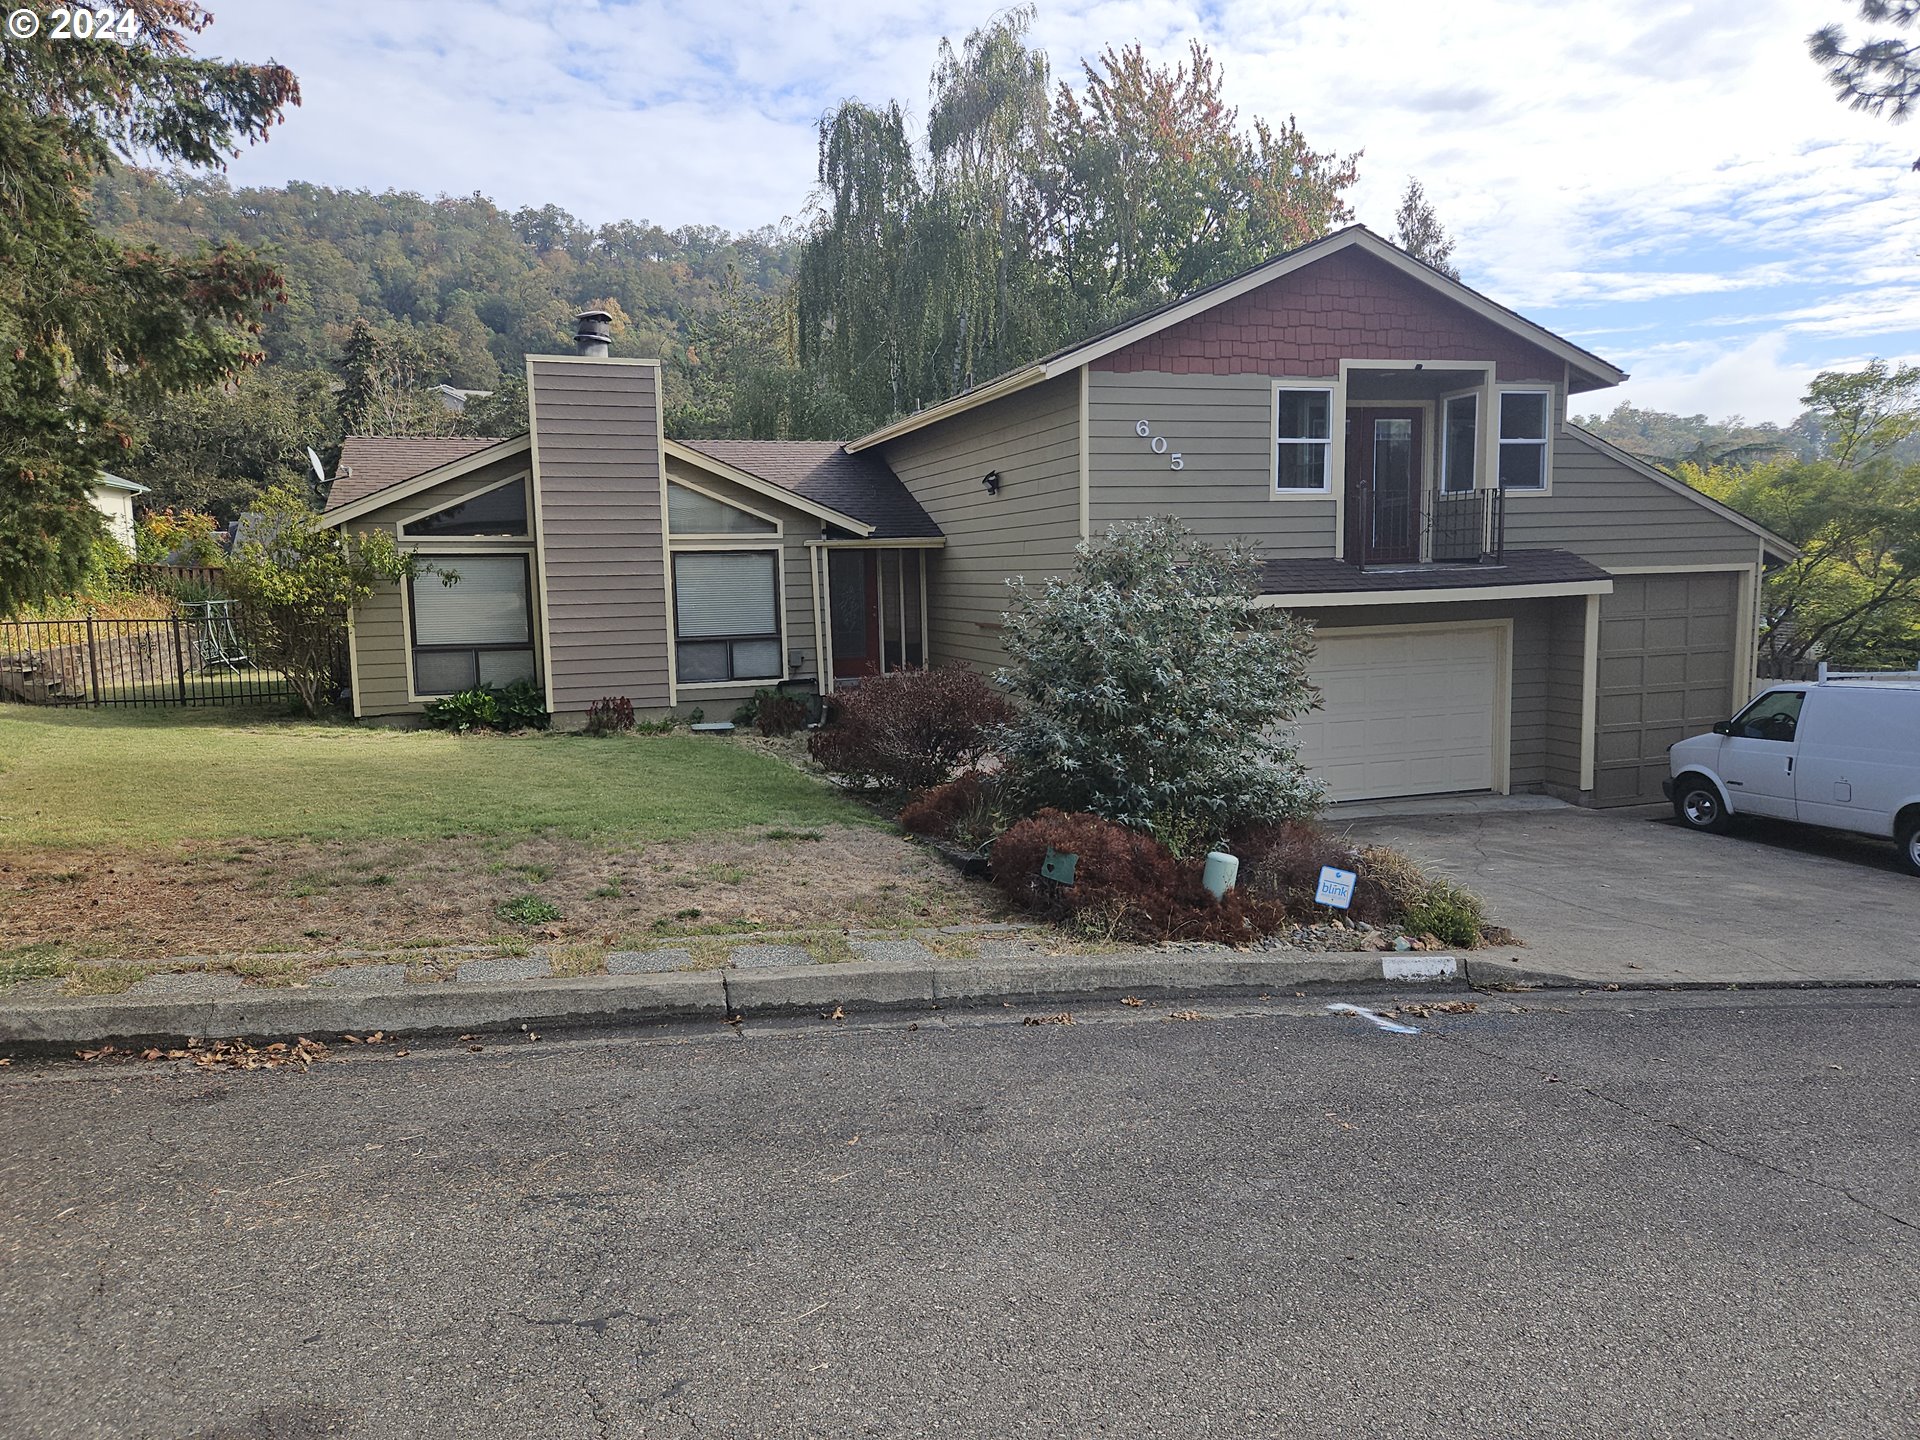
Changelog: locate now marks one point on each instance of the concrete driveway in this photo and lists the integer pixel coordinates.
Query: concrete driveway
(1630, 896)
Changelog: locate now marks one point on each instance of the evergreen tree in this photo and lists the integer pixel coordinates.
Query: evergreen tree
(1418, 231)
(89, 325)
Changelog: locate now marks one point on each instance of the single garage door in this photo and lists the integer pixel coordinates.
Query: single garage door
(1404, 712)
(1666, 672)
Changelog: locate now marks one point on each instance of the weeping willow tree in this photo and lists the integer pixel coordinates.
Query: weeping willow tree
(1027, 218)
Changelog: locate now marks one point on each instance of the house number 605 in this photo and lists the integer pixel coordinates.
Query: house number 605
(1158, 444)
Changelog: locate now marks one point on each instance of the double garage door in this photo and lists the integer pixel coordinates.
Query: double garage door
(1667, 660)
(1406, 711)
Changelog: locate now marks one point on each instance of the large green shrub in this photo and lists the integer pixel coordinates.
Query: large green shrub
(1155, 692)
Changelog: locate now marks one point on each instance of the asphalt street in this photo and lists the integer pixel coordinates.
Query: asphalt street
(1555, 1216)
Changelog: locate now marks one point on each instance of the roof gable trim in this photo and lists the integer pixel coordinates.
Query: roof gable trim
(426, 480)
(746, 479)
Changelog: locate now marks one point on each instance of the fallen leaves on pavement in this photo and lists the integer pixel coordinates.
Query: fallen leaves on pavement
(1424, 1008)
(234, 1054)
(1185, 1015)
(1063, 1018)
(1133, 1000)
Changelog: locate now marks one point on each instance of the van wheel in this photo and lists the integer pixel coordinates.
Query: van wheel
(1907, 833)
(1696, 804)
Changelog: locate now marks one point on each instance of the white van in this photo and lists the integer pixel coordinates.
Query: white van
(1841, 752)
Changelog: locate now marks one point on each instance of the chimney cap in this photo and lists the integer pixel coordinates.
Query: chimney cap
(593, 332)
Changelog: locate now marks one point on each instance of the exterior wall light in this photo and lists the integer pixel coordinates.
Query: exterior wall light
(992, 481)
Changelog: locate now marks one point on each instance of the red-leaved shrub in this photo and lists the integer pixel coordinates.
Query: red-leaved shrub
(909, 731)
(935, 812)
(1127, 885)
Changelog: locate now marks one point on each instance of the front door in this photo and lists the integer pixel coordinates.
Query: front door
(1384, 469)
(853, 610)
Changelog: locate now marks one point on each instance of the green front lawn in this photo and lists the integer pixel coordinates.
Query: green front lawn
(77, 777)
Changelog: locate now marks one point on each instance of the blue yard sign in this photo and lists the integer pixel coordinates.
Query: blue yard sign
(1336, 887)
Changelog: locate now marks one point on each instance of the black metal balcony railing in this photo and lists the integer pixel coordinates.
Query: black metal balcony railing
(1462, 529)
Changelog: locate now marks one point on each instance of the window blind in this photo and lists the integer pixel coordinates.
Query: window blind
(488, 606)
(725, 593)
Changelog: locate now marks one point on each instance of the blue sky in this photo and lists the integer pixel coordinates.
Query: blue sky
(1670, 184)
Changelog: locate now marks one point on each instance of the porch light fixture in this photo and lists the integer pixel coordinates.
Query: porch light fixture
(992, 481)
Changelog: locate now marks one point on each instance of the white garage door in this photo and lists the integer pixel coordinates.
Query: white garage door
(1403, 712)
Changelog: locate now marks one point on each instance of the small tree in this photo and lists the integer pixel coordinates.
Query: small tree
(1156, 693)
(296, 581)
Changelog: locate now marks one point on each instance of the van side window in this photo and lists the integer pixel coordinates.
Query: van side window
(1773, 716)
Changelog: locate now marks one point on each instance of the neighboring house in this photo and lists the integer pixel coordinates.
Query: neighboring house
(455, 399)
(113, 498)
(1503, 600)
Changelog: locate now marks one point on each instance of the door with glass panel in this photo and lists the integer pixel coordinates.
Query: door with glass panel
(1384, 468)
(853, 610)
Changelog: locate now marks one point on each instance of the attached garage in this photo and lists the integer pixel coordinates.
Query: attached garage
(1409, 709)
(1667, 670)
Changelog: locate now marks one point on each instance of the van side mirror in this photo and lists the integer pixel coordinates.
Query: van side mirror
(1723, 727)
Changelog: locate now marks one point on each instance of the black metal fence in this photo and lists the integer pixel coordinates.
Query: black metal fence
(203, 656)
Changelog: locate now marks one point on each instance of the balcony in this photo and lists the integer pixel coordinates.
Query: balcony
(1401, 526)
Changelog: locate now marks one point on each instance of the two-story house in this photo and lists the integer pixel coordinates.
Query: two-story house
(1502, 600)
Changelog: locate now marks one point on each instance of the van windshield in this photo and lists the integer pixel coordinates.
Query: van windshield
(1774, 716)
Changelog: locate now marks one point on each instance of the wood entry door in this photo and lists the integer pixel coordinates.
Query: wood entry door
(853, 611)
(1385, 455)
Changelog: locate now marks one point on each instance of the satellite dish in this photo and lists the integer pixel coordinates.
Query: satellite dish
(319, 470)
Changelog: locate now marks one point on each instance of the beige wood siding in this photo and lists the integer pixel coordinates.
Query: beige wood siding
(1566, 677)
(1612, 515)
(1222, 427)
(380, 658)
(1030, 528)
(596, 426)
(1532, 627)
(1667, 648)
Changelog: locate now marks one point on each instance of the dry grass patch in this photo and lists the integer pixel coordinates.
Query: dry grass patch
(263, 895)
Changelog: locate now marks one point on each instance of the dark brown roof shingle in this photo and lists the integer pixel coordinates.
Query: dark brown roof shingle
(373, 462)
(822, 471)
(1337, 577)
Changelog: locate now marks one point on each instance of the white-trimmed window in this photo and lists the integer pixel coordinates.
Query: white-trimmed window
(1523, 438)
(1459, 437)
(694, 512)
(501, 511)
(476, 631)
(726, 616)
(1303, 436)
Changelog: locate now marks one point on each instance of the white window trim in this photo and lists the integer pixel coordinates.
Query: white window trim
(1478, 395)
(701, 687)
(1549, 424)
(536, 641)
(525, 477)
(779, 530)
(1331, 388)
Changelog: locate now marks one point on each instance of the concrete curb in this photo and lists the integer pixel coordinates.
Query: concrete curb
(451, 1007)
(1505, 975)
(715, 996)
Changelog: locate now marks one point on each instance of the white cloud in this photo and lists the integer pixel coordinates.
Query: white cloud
(1610, 161)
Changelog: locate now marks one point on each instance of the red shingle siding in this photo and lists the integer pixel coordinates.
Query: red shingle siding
(1348, 306)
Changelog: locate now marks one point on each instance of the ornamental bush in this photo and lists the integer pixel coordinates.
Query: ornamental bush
(1154, 692)
(1126, 886)
(296, 580)
(911, 730)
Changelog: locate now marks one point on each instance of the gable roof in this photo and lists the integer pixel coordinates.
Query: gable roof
(824, 472)
(1777, 547)
(1083, 352)
(373, 462)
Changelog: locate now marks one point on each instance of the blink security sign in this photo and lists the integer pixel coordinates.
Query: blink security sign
(1336, 887)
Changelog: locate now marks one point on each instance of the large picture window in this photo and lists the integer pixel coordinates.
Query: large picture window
(1523, 439)
(477, 631)
(1304, 439)
(726, 615)
(692, 512)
